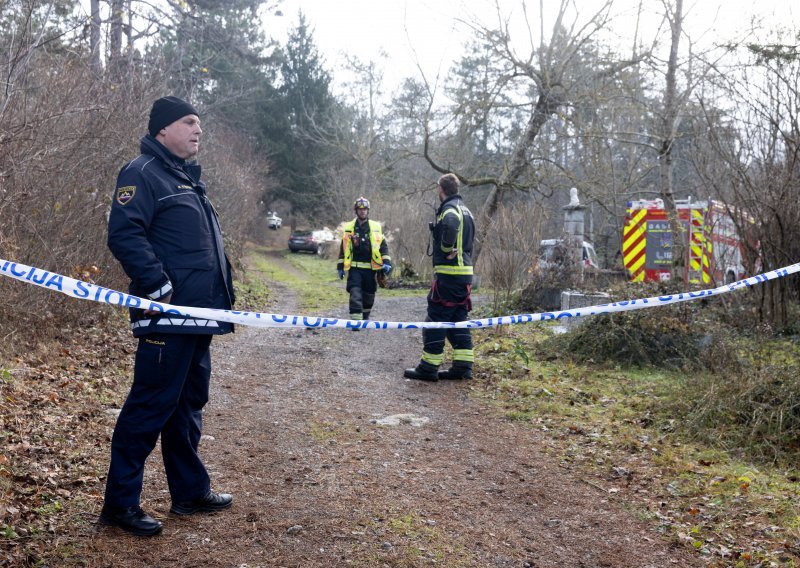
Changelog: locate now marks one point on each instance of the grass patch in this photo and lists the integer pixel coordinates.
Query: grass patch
(252, 293)
(413, 541)
(725, 493)
(311, 277)
(324, 431)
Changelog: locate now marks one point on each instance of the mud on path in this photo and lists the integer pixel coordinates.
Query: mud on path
(294, 431)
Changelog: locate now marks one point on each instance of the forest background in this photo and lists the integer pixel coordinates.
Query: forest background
(661, 117)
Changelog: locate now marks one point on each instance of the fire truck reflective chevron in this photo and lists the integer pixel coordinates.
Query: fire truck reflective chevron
(699, 254)
(633, 243)
(714, 250)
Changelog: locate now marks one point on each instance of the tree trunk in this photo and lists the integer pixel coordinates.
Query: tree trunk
(669, 127)
(115, 37)
(94, 39)
(545, 106)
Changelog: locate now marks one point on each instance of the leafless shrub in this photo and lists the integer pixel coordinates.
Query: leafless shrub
(544, 286)
(406, 222)
(234, 174)
(511, 253)
(63, 137)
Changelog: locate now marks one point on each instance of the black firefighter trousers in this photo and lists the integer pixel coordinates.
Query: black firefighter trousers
(362, 285)
(448, 300)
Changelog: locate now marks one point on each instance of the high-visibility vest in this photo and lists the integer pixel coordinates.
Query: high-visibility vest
(375, 240)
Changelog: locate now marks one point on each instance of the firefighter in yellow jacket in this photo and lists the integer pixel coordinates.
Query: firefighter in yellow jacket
(362, 256)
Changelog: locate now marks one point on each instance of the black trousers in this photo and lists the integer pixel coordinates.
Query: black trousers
(170, 388)
(448, 300)
(362, 285)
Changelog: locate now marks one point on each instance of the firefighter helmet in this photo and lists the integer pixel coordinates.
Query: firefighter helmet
(361, 203)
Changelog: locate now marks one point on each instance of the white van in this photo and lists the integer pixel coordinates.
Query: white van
(273, 221)
(552, 252)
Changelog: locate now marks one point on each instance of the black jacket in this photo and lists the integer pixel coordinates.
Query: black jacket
(166, 234)
(454, 230)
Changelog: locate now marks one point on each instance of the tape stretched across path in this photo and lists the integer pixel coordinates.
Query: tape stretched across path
(93, 292)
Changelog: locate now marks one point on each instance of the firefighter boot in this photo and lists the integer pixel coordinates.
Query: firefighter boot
(422, 372)
(456, 373)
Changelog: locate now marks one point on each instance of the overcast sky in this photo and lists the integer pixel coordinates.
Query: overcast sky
(427, 31)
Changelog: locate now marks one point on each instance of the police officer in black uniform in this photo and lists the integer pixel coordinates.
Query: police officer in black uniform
(449, 296)
(166, 234)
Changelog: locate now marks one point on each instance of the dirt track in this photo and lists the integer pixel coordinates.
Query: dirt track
(293, 433)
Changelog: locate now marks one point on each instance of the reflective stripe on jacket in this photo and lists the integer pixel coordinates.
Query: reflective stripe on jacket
(455, 229)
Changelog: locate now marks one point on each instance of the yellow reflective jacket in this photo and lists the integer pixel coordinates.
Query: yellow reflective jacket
(375, 241)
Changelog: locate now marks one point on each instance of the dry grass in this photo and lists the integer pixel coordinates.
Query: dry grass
(710, 455)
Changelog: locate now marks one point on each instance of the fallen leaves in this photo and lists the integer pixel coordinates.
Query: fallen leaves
(54, 430)
(605, 427)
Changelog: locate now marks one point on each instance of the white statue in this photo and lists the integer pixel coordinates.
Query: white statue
(573, 197)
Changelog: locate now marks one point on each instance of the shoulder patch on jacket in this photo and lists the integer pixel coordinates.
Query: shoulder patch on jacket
(125, 194)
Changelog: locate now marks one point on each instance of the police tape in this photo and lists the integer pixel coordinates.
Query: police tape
(95, 293)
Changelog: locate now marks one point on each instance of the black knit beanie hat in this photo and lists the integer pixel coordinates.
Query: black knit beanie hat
(167, 110)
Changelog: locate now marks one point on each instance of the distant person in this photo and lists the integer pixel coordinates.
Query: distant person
(165, 233)
(363, 255)
(449, 296)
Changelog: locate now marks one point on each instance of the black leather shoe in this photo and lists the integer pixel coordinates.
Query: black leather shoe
(455, 374)
(419, 375)
(130, 519)
(209, 504)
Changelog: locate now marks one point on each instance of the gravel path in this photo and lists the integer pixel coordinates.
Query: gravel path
(295, 430)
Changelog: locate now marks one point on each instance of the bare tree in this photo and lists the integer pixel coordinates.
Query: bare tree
(758, 148)
(682, 77)
(668, 126)
(354, 132)
(363, 147)
(94, 39)
(115, 34)
(551, 74)
(26, 37)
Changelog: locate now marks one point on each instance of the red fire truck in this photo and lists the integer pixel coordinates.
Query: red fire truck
(714, 253)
